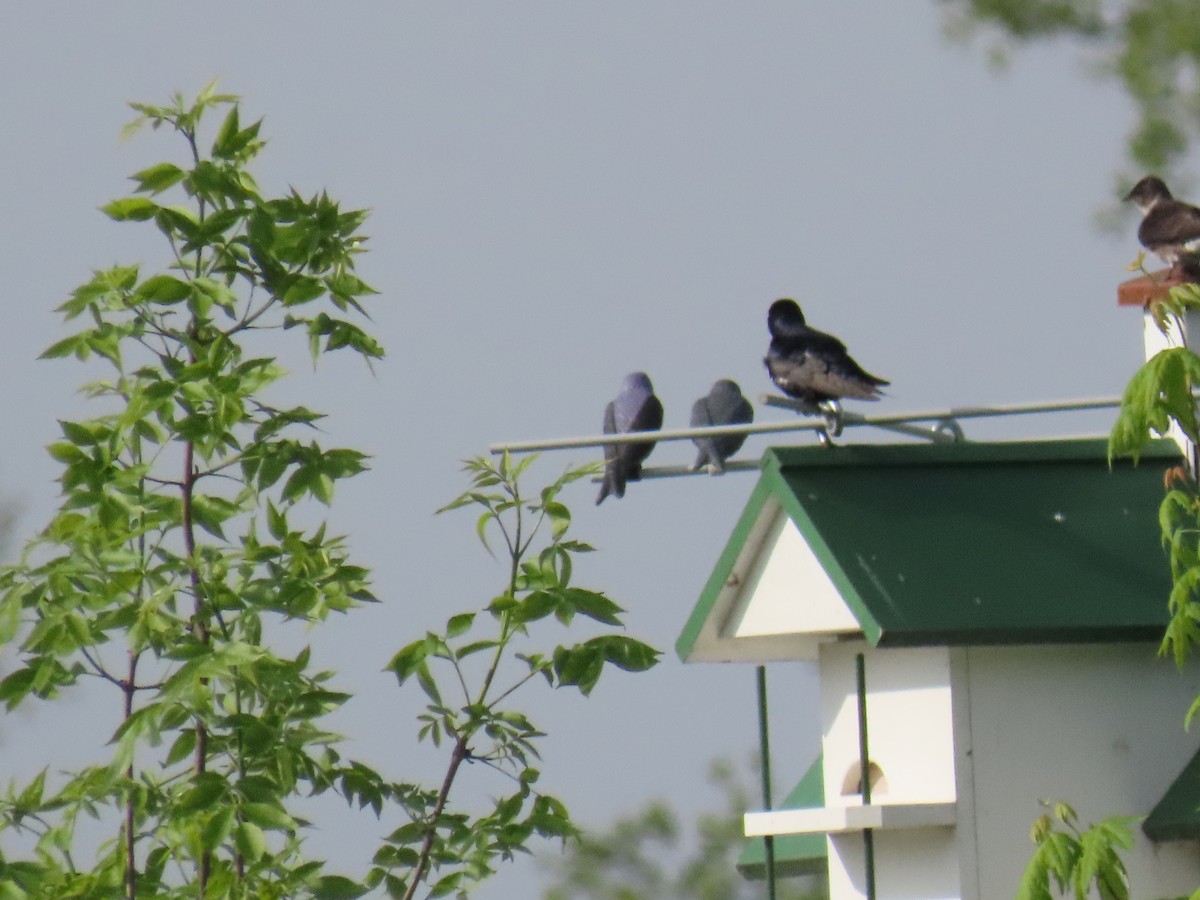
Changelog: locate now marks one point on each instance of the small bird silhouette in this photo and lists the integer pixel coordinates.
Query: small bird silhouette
(810, 365)
(635, 409)
(724, 405)
(1170, 228)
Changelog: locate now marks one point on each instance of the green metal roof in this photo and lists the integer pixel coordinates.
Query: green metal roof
(1176, 817)
(949, 544)
(795, 854)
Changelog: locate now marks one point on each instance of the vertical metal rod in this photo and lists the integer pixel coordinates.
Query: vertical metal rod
(764, 749)
(864, 763)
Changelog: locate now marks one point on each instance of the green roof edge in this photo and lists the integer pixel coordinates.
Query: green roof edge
(1176, 817)
(720, 573)
(965, 452)
(787, 499)
(795, 854)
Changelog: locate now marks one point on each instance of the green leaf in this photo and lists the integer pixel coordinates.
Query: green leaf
(250, 840)
(75, 344)
(164, 289)
(408, 660)
(1159, 392)
(208, 790)
(580, 666)
(337, 887)
(447, 885)
(536, 606)
(480, 528)
(16, 686)
(459, 625)
(135, 209)
(30, 799)
(428, 684)
(474, 647)
(225, 135)
(268, 816)
(66, 453)
(594, 605)
(627, 653)
(158, 178)
(276, 522)
(217, 828)
(560, 518)
(303, 290)
(183, 746)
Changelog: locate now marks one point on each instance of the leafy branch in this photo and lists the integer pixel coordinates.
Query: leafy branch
(1160, 395)
(1074, 860)
(481, 728)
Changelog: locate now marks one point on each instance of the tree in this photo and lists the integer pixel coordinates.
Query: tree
(177, 555)
(1152, 47)
(462, 847)
(173, 552)
(631, 859)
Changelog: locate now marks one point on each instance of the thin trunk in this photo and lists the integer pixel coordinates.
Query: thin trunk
(456, 759)
(199, 629)
(130, 863)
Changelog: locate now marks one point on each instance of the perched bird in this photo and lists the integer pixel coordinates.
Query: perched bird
(724, 405)
(1170, 227)
(810, 365)
(635, 409)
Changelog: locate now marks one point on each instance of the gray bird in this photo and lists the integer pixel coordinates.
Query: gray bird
(1170, 228)
(635, 409)
(810, 365)
(724, 405)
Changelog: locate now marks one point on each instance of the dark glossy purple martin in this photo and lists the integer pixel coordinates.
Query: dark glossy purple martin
(810, 365)
(635, 409)
(724, 405)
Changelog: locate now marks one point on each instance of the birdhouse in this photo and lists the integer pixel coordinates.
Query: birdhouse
(985, 621)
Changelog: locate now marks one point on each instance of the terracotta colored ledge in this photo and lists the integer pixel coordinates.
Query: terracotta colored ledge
(1145, 289)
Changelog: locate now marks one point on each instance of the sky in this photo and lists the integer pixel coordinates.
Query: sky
(561, 193)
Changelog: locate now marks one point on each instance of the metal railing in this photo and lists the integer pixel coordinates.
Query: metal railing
(945, 428)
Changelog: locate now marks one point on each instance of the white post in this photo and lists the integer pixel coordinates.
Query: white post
(1156, 341)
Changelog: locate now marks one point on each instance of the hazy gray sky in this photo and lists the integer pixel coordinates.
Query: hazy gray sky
(564, 192)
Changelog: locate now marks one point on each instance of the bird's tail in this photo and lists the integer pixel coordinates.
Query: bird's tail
(611, 484)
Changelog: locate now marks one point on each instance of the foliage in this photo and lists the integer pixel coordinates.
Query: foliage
(1159, 396)
(1074, 860)
(174, 551)
(479, 726)
(1152, 47)
(177, 557)
(631, 859)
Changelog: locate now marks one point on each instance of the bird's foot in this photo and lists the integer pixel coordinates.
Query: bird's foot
(831, 412)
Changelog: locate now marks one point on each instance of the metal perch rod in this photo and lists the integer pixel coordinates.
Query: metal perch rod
(944, 430)
(666, 434)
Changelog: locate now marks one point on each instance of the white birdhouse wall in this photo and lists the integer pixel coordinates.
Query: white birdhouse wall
(909, 717)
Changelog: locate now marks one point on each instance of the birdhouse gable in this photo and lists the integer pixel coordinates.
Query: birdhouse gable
(784, 589)
(771, 595)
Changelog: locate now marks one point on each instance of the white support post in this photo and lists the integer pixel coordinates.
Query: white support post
(1156, 341)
